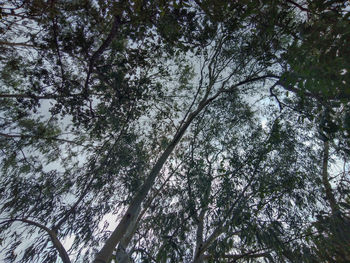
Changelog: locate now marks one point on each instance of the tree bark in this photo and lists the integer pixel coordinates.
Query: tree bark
(12, 44)
(198, 253)
(122, 256)
(328, 188)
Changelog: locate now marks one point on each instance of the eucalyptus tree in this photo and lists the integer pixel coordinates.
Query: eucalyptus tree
(240, 192)
(332, 238)
(318, 63)
(99, 96)
(235, 59)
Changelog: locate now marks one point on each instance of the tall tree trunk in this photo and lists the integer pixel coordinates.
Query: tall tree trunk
(105, 253)
(328, 189)
(198, 252)
(122, 256)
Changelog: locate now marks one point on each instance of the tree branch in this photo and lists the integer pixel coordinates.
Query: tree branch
(12, 44)
(53, 236)
(246, 81)
(246, 255)
(38, 137)
(298, 6)
(280, 104)
(100, 50)
(29, 96)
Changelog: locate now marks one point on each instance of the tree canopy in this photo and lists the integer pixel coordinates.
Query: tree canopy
(174, 131)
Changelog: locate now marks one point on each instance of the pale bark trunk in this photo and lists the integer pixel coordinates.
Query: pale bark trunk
(106, 252)
(198, 253)
(122, 256)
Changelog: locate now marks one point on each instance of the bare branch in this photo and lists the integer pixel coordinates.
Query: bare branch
(101, 49)
(39, 137)
(298, 6)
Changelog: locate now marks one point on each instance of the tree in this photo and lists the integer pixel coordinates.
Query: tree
(317, 65)
(231, 197)
(331, 239)
(103, 100)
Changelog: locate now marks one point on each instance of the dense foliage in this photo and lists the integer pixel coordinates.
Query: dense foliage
(174, 131)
